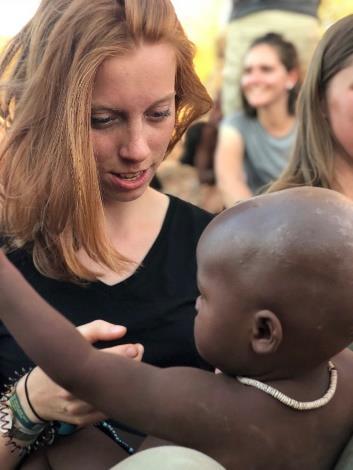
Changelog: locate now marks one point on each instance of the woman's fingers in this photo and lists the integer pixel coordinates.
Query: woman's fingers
(100, 330)
(133, 351)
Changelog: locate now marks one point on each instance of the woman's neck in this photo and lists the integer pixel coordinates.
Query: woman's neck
(275, 119)
(130, 223)
(121, 214)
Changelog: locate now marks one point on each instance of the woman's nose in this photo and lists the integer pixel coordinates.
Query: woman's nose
(134, 146)
(250, 78)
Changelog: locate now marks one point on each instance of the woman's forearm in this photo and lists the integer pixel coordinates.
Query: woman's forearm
(233, 190)
(8, 460)
(11, 447)
(229, 167)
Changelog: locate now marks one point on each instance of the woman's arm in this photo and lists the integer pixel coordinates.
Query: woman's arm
(53, 402)
(229, 165)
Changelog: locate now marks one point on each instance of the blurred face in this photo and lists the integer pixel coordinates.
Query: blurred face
(132, 120)
(265, 79)
(339, 108)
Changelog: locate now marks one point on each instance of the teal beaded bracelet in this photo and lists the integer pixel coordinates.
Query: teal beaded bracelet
(20, 415)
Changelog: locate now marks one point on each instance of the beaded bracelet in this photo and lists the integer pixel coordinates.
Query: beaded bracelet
(109, 430)
(20, 415)
(14, 423)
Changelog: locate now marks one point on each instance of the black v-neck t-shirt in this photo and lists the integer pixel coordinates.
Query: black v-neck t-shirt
(156, 303)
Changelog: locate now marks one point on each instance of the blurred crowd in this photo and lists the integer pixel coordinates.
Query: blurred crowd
(245, 141)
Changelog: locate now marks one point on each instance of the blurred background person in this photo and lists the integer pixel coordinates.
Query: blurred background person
(199, 152)
(296, 20)
(323, 150)
(254, 144)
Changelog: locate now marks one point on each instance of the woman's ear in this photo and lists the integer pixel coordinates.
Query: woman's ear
(293, 78)
(267, 332)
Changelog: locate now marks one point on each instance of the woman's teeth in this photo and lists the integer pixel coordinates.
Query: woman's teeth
(130, 176)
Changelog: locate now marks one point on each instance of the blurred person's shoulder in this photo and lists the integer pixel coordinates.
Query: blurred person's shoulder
(238, 120)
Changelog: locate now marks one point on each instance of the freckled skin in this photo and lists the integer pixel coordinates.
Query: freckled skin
(133, 117)
(279, 318)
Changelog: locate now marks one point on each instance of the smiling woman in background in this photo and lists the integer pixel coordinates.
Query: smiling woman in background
(95, 95)
(254, 144)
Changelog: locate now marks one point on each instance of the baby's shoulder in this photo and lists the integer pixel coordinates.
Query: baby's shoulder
(344, 361)
(344, 364)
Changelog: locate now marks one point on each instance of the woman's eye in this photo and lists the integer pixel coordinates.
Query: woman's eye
(266, 68)
(97, 122)
(158, 115)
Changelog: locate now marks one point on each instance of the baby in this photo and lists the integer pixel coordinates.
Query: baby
(275, 275)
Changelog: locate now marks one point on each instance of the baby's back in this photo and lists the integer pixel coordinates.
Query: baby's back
(263, 433)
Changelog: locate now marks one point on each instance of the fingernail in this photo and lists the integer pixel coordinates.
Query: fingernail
(118, 328)
(131, 352)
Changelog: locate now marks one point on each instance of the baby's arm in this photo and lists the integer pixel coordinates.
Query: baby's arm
(46, 336)
(151, 399)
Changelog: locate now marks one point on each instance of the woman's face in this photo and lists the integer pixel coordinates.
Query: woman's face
(265, 80)
(339, 108)
(132, 120)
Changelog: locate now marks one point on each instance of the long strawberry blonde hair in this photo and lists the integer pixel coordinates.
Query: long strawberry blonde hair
(50, 197)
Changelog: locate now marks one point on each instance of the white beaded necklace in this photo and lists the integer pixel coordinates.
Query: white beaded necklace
(297, 405)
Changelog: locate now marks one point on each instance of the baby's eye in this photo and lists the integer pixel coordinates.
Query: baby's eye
(158, 115)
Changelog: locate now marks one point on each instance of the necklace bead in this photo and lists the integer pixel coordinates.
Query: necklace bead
(290, 402)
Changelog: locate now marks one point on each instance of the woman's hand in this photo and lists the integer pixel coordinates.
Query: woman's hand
(52, 402)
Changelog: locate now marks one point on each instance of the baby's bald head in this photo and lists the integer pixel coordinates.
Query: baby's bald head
(289, 252)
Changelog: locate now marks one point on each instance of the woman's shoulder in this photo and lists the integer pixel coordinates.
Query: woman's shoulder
(183, 216)
(239, 121)
(184, 208)
(238, 117)
(17, 256)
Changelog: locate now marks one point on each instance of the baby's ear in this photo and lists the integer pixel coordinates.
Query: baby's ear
(266, 332)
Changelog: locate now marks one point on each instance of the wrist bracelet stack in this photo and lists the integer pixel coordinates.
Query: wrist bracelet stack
(23, 434)
(29, 401)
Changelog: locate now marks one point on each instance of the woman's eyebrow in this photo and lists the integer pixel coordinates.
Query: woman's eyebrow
(165, 98)
(102, 107)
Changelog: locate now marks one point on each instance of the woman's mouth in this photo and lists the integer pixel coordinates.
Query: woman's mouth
(131, 180)
(130, 176)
